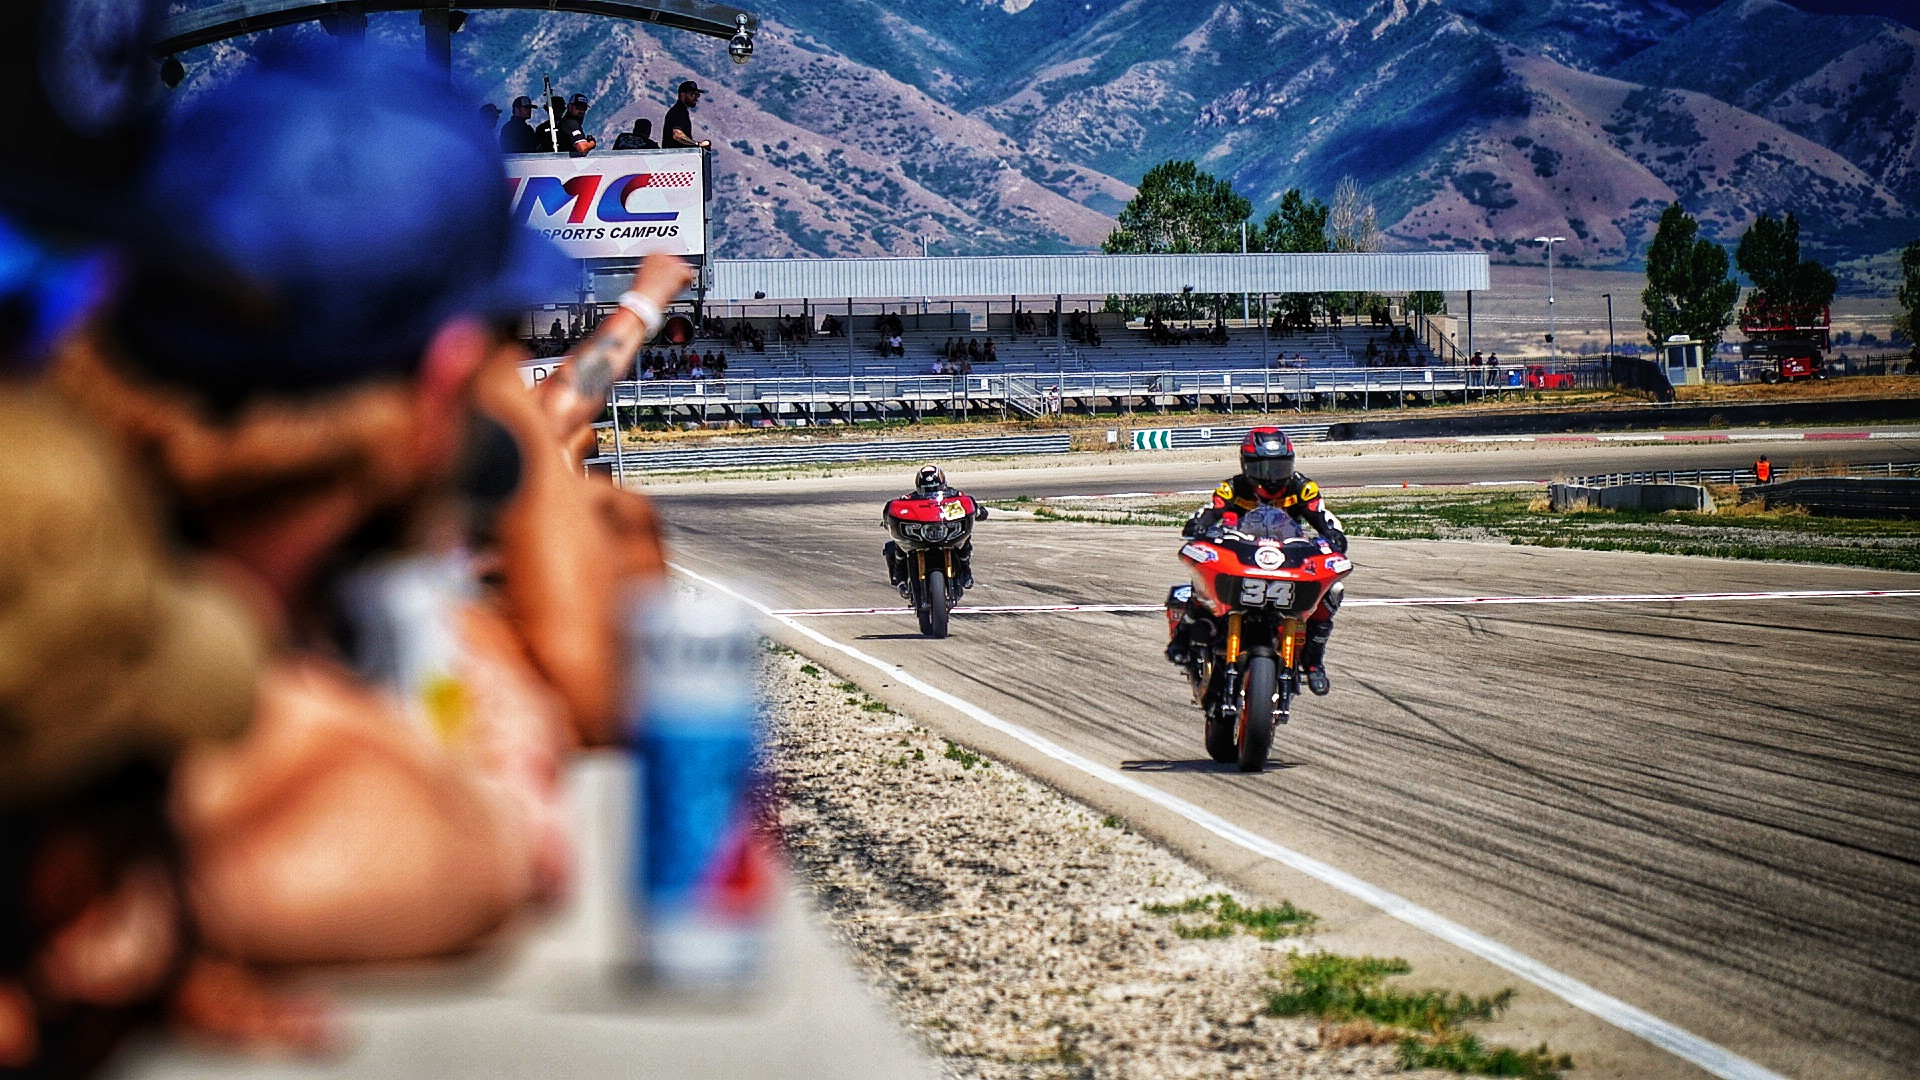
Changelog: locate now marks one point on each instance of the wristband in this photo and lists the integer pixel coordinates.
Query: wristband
(644, 309)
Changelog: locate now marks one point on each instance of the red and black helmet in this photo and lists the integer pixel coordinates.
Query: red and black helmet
(1266, 457)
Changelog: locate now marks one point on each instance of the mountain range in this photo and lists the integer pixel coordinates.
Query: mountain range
(1007, 126)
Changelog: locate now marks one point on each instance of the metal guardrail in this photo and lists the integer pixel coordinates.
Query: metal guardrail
(1743, 477)
(748, 456)
(1027, 389)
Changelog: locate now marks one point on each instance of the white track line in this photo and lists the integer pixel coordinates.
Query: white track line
(1676, 1040)
(1395, 601)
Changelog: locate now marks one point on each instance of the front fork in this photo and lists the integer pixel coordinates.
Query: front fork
(1292, 639)
(920, 569)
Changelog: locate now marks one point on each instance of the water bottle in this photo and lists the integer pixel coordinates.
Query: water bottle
(701, 879)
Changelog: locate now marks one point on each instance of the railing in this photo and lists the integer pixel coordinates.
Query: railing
(762, 454)
(1030, 392)
(1742, 476)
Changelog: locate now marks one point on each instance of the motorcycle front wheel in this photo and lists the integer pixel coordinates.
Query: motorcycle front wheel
(1256, 717)
(933, 604)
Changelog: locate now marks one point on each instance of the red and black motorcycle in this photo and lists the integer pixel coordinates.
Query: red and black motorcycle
(932, 534)
(1249, 602)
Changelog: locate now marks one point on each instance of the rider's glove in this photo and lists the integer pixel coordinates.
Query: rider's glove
(1339, 541)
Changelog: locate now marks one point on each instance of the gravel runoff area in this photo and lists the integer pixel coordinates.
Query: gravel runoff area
(1008, 923)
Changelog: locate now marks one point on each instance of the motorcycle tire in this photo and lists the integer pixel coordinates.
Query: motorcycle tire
(1256, 726)
(1220, 746)
(933, 609)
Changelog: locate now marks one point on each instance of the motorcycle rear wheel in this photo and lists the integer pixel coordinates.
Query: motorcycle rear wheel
(1256, 727)
(933, 605)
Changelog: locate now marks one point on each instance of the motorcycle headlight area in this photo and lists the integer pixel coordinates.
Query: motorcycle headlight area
(933, 532)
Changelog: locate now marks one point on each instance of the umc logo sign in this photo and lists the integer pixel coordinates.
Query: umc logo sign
(612, 206)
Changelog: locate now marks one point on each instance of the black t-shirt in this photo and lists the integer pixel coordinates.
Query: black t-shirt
(543, 140)
(681, 118)
(627, 140)
(570, 133)
(517, 137)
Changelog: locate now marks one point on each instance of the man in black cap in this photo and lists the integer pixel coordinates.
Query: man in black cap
(640, 138)
(516, 136)
(679, 124)
(573, 137)
(489, 117)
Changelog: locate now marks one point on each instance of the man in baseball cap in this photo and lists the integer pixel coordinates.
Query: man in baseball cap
(517, 135)
(572, 128)
(678, 125)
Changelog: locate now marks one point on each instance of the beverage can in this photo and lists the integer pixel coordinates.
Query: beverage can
(701, 877)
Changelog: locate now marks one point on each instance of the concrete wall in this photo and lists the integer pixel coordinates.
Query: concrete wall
(1656, 497)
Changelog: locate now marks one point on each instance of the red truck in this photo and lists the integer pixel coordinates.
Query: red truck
(1539, 378)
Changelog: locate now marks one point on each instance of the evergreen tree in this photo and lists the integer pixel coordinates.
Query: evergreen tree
(1688, 289)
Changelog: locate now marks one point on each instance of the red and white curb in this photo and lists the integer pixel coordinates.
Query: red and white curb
(1710, 1057)
(1394, 601)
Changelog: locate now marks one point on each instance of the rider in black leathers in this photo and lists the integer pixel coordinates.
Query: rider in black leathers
(1267, 477)
(929, 483)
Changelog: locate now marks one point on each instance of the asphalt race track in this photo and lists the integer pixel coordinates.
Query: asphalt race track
(1709, 809)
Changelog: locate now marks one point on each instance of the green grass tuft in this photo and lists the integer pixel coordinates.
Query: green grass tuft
(1463, 1053)
(967, 758)
(810, 671)
(1229, 915)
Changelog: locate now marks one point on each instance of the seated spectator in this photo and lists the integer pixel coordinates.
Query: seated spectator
(719, 365)
(947, 349)
(758, 340)
(640, 138)
(830, 326)
(1373, 350)
(973, 349)
(989, 354)
(939, 367)
(894, 345)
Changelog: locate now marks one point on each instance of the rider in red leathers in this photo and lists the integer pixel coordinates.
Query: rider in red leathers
(1267, 478)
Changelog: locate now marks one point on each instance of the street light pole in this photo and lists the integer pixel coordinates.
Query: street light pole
(1608, 297)
(1553, 349)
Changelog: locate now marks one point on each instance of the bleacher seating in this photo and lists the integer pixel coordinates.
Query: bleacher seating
(1119, 350)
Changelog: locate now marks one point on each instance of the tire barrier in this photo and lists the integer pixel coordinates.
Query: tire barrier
(748, 456)
(1843, 496)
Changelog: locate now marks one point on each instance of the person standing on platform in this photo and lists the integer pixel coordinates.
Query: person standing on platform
(679, 122)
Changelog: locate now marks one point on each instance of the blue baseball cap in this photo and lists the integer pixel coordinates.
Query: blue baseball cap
(329, 210)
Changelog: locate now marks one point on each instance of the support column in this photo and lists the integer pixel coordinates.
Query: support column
(439, 26)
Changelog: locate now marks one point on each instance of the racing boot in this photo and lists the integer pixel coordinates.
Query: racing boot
(896, 566)
(1313, 658)
(963, 566)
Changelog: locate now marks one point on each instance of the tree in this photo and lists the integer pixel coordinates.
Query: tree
(1353, 226)
(1299, 226)
(1351, 220)
(1784, 286)
(1908, 320)
(1688, 289)
(1178, 210)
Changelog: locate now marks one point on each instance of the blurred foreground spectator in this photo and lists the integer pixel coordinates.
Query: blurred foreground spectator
(296, 376)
